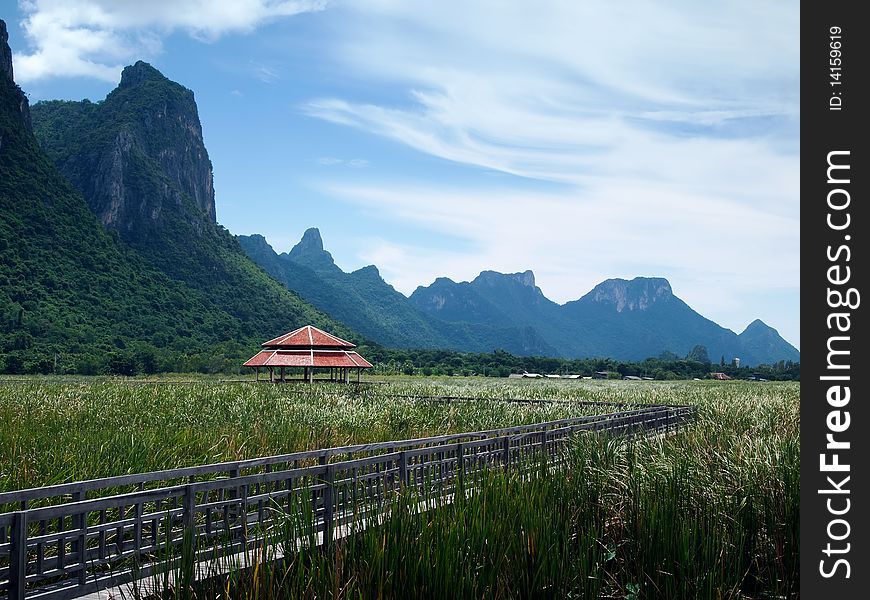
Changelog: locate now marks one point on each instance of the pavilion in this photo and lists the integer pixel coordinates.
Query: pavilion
(308, 348)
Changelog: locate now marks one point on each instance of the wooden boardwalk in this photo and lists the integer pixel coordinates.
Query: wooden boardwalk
(70, 540)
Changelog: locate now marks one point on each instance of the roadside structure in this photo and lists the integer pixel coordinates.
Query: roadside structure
(305, 350)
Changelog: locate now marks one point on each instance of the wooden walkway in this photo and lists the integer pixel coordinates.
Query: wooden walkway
(70, 540)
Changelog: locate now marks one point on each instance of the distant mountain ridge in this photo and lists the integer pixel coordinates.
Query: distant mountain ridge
(363, 300)
(618, 318)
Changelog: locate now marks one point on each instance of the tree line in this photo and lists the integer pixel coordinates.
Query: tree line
(227, 358)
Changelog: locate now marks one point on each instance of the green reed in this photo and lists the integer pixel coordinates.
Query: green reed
(711, 512)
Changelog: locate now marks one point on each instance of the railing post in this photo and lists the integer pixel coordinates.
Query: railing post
(460, 462)
(79, 545)
(328, 506)
(188, 547)
(189, 509)
(403, 468)
(82, 547)
(544, 449)
(18, 556)
(506, 453)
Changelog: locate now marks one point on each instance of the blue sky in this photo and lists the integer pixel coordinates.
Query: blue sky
(582, 140)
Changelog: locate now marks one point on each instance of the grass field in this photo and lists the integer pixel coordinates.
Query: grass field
(711, 512)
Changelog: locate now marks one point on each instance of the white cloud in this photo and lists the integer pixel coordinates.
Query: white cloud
(94, 38)
(264, 73)
(355, 163)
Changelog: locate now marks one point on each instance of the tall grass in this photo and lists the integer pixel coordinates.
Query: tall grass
(711, 512)
(644, 519)
(67, 431)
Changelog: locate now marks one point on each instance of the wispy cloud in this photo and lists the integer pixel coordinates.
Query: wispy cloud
(264, 73)
(93, 38)
(355, 163)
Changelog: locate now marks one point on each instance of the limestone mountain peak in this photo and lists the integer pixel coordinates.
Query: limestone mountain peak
(138, 72)
(637, 294)
(310, 253)
(758, 325)
(5, 52)
(146, 166)
(525, 278)
(6, 73)
(311, 241)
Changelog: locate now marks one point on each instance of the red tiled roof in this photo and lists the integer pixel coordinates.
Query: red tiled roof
(307, 358)
(308, 337)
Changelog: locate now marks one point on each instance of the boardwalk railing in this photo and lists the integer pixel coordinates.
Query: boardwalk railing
(64, 541)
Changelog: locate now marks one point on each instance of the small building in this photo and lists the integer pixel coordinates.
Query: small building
(305, 349)
(720, 376)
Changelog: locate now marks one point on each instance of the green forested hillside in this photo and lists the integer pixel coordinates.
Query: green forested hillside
(75, 296)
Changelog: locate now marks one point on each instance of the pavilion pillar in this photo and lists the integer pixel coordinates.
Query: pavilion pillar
(257, 369)
(357, 374)
(271, 375)
(310, 374)
(282, 375)
(346, 375)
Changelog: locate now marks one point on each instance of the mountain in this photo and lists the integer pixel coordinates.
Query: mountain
(67, 285)
(499, 300)
(760, 340)
(309, 253)
(108, 249)
(15, 99)
(138, 157)
(642, 317)
(625, 320)
(618, 318)
(363, 300)
(359, 298)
